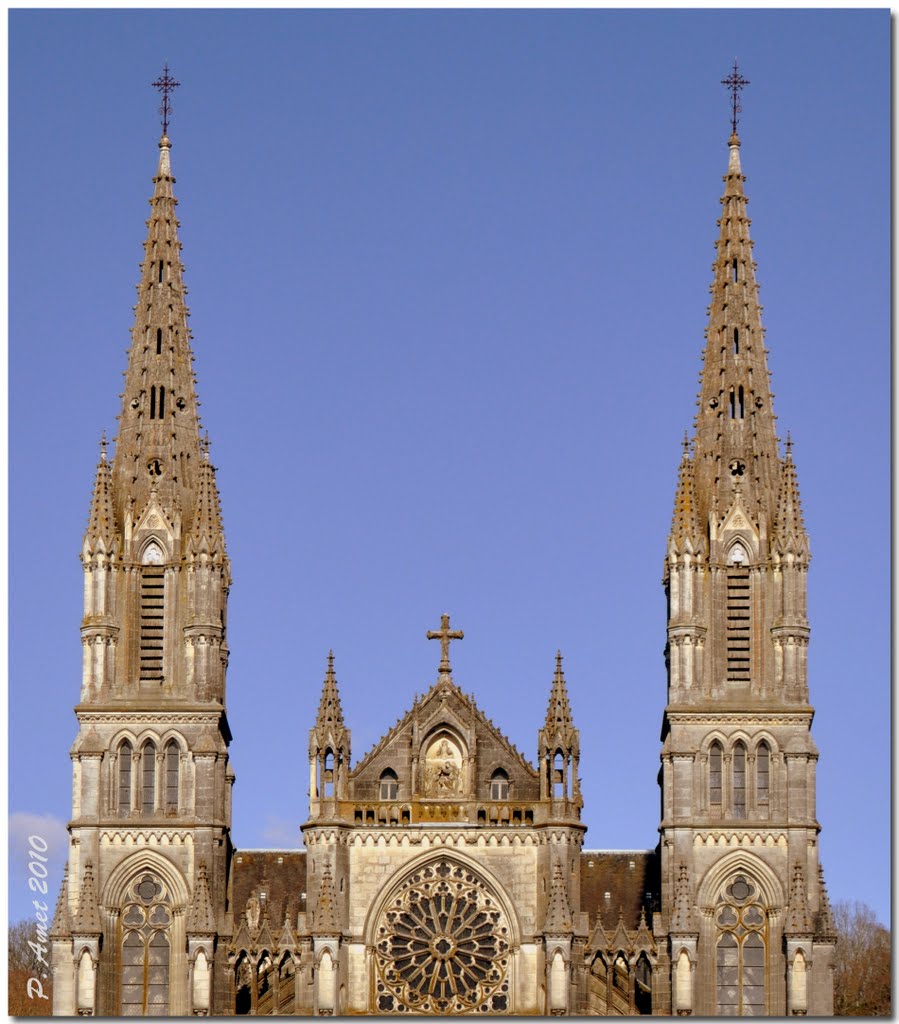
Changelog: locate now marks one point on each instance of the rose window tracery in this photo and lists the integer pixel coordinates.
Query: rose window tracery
(442, 945)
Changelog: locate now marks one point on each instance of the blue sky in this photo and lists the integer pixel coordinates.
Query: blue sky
(448, 275)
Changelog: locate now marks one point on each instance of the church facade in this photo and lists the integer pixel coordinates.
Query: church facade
(445, 873)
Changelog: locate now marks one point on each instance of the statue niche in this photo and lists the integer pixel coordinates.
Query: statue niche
(443, 767)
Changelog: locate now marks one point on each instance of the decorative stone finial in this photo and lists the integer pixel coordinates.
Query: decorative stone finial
(444, 635)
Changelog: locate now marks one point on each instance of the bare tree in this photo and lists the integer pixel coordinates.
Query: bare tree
(861, 979)
(28, 959)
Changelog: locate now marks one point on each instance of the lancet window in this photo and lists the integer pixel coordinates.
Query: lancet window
(146, 922)
(126, 755)
(741, 950)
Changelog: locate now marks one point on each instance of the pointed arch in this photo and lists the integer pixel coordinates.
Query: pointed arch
(148, 777)
(172, 768)
(125, 755)
(388, 785)
(738, 780)
(762, 776)
(716, 775)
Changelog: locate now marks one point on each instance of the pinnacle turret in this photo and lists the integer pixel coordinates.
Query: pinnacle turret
(62, 925)
(682, 920)
(330, 713)
(202, 918)
(558, 913)
(207, 536)
(789, 528)
(159, 433)
(326, 914)
(101, 534)
(686, 533)
(87, 921)
(558, 730)
(799, 920)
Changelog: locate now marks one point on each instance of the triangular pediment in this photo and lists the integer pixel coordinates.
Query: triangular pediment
(445, 711)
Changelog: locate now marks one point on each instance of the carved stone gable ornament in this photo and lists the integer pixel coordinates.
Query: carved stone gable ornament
(443, 768)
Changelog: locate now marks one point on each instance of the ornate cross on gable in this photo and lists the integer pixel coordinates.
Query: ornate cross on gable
(444, 635)
(735, 82)
(165, 84)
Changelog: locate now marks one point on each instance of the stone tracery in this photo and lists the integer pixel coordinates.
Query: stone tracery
(442, 945)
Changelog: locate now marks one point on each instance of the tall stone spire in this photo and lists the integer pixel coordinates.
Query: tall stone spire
(799, 920)
(158, 442)
(558, 749)
(735, 442)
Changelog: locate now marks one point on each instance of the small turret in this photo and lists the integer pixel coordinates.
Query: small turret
(558, 744)
(329, 748)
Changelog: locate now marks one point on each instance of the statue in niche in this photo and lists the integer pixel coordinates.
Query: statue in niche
(253, 909)
(443, 769)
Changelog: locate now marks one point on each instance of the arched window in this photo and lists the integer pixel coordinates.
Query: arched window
(741, 948)
(734, 270)
(264, 985)
(148, 778)
(243, 979)
(643, 986)
(172, 766)
(762, 774)
(739, 793)
(715, 756)
(732, 400)
(499, 785)
(146, 919)
(390, 786)
(740, 401)
(558, 776)
(286, 984)
(736, 341)
(125, 757)
(328, 774)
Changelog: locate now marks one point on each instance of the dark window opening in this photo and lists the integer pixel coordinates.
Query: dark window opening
(734, 267)
(153, 402)
(158, 341)
(162, 402)
(733, 404)
(740, 402)
(160, 270)
(125, 755)
(715, 776)
(736, 341)
(739, 781)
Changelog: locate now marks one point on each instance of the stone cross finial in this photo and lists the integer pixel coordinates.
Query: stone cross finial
(165, 84)
(444, 635)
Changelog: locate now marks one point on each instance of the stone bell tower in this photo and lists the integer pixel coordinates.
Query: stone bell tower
(744, 905)
(144, 899)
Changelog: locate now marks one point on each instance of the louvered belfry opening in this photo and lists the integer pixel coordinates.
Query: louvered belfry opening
(152, 622)
(738, 621)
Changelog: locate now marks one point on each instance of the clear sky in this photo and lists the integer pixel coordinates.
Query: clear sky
(448, 275)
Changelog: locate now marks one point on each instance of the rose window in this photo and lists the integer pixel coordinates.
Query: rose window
(442, 945)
